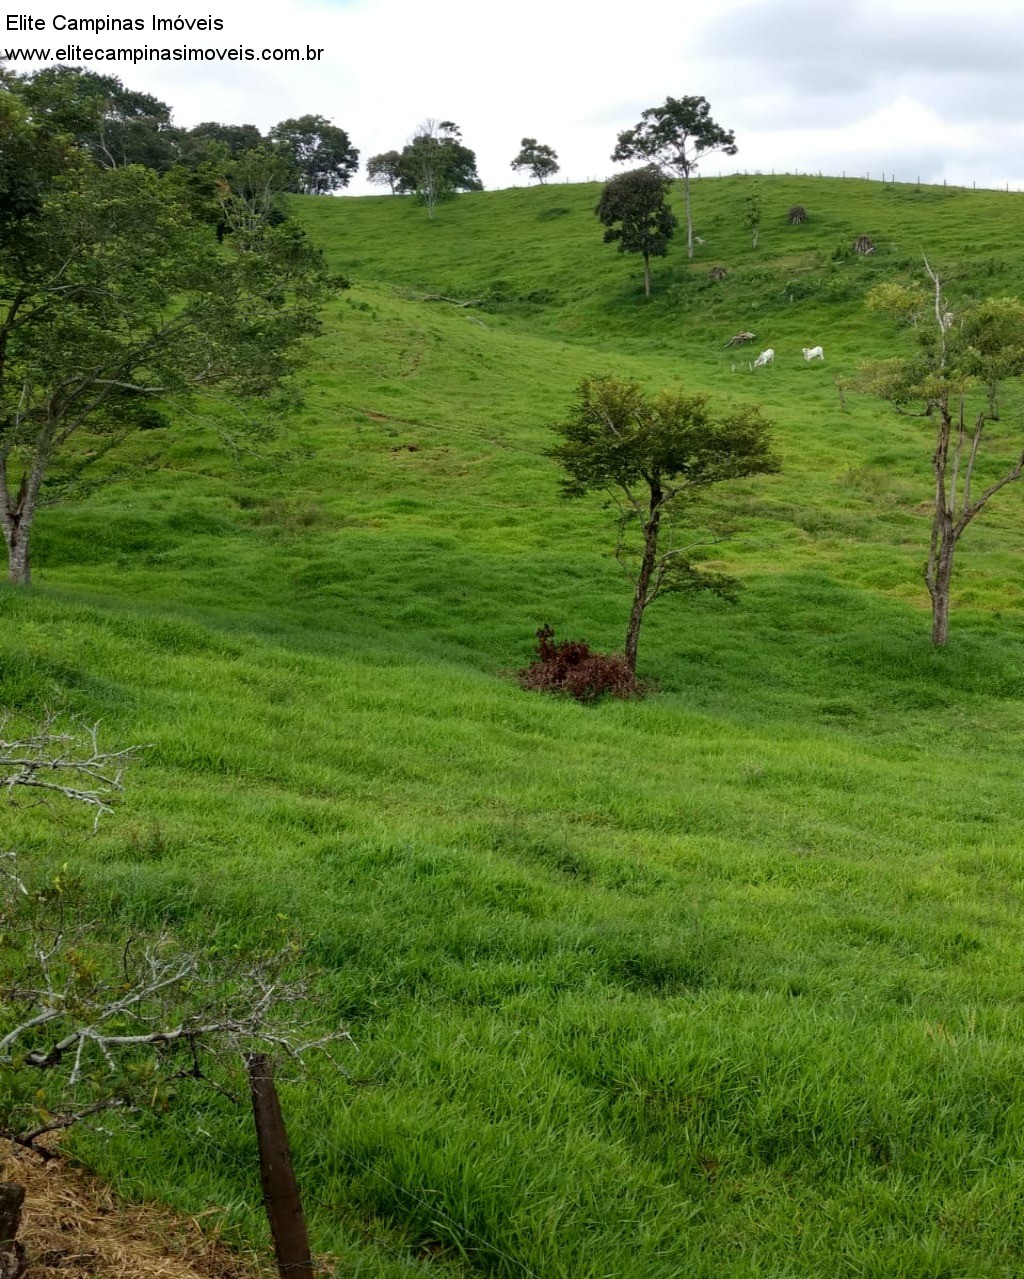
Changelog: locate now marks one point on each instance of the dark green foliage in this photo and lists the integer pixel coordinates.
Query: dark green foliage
(30, 156)
(675, 137)
(541, 160)
(573, 668)
(436, 164)
(113, 297)
(235, 138)
(113, 125)
(618, 437)
(653, 455)
(385, 168)
(633, 208)
(322, 154)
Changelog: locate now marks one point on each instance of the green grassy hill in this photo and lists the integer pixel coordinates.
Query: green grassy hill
(721, 983)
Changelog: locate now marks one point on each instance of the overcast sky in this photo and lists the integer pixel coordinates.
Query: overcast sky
(928, 89)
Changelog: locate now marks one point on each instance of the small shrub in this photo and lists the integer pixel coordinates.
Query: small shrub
(796, 215)
(574, 669)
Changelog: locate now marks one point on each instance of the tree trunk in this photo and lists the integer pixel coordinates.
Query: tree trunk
(647, 276)
(641, 596)
(16, 535)
(18, 512)
(689, 219)
(938, 576)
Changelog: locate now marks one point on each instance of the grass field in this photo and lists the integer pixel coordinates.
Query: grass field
(723, 983)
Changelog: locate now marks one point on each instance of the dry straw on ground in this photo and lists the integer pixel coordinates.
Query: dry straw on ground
(74, 1228)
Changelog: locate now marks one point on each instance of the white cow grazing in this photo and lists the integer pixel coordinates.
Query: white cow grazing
(766, 357)
(813, 353)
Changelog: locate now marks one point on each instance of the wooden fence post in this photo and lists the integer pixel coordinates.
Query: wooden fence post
(12, 1255)
(277, 1176)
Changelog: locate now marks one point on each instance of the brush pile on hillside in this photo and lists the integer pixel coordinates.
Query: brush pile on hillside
(573, 668)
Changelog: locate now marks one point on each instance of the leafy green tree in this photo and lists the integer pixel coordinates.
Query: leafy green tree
(113, 125)
(436, 164)
(633, 208)
(541, 160)
(324, 158)
(654, 456)
(676, 137)
(29, 159)
(115, 304)
(235, 138)
(954, 380)
(752, 212)
(385, 169)
(254, 197)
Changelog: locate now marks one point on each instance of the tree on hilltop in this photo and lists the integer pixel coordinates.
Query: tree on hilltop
(235, 138)
(652, 455)
(541, 160)
(385, 169)
(435, 164)
(676, 136)
(955, 379)
(324, 158)
(633, 208)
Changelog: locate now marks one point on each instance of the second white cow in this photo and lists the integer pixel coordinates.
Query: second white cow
(813, 353)
(766, 357)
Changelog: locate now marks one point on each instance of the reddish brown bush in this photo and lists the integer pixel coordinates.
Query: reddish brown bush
(573, 668)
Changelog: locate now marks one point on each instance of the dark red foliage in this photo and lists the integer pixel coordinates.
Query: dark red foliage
(573, 668)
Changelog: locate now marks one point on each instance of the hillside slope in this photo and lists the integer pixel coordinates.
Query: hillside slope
(724, 982)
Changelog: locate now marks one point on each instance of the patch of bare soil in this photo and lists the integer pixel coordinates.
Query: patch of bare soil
(73, 1227)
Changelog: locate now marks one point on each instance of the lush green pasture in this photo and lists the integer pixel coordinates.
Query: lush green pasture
(723, 983)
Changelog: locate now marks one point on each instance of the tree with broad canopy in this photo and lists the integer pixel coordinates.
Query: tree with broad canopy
(324, 158)
(541, 160)
(436, 164)
(654, 456)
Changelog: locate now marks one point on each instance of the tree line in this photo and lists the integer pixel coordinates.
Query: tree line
(127, 289)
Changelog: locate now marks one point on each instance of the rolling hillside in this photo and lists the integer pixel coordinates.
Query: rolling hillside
(725, 982)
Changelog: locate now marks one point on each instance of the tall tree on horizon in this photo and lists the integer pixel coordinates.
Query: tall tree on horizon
(324, 158)
(676, 136)
(436, 163)
(541, 160)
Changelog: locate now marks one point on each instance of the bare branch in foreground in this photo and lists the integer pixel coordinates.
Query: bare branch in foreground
(115, 1030)
(67, 763)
